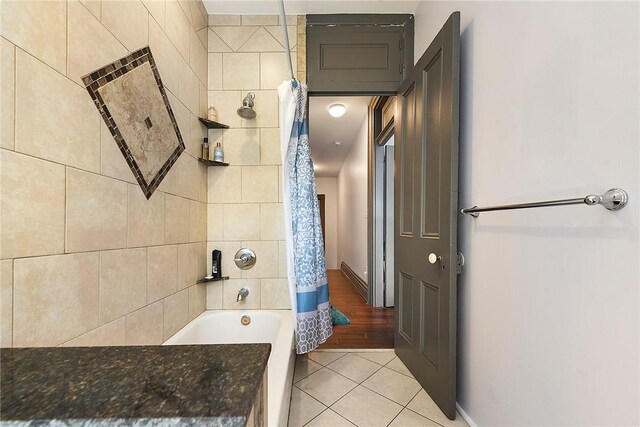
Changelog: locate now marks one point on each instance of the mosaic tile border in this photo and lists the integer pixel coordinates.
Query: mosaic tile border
(95, 80)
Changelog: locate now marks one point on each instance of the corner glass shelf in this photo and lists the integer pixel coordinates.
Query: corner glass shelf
(215, 279)
(212, 162)
(210, 124)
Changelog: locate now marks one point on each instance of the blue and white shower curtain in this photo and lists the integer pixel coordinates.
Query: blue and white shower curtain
(306, 264)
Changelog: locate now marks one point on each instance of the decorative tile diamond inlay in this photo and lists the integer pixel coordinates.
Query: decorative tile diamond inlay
(133, 103)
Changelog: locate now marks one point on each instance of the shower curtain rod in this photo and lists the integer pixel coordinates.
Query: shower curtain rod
(283, 22)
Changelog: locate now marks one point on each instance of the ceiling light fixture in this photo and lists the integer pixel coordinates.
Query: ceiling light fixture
(337, 110)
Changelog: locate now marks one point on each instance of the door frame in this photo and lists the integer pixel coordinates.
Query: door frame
(381, 128)
(377, 136)
(323, 217)
(377, 93)
(389, 224)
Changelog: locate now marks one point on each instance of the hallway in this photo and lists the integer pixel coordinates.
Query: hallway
(371, 327)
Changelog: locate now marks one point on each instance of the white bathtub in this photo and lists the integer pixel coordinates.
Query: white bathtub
(274, 326)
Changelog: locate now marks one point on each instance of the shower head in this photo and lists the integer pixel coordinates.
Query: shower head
(246, 111)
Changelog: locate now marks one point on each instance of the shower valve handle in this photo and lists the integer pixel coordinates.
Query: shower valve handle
(245, 259)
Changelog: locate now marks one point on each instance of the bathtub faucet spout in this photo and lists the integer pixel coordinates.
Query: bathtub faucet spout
(242, 294)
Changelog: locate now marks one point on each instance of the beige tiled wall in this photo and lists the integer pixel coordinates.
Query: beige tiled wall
(86, 259)
(247, 54)
(302, 48)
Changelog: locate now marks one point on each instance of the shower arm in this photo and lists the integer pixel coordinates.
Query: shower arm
(283, 22)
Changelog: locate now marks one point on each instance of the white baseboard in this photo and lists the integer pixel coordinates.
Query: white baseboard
(466, 416)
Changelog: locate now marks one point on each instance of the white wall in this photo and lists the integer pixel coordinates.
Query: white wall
(352, 206)
(329, 187)
(548, 312)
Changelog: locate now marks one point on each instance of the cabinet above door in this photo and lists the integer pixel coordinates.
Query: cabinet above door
(358, 54)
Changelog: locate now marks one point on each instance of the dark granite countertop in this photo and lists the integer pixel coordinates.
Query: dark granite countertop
(203, 385)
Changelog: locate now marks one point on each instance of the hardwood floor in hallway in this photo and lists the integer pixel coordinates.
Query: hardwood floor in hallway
(371, 327)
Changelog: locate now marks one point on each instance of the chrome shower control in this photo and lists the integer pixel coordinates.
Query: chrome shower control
(245, 259)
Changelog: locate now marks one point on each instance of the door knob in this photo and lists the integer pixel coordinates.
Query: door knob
(433, 258)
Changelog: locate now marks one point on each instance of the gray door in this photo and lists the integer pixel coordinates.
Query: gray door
(426, 196)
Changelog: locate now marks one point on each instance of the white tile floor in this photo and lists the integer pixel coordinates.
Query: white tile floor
(361, 388)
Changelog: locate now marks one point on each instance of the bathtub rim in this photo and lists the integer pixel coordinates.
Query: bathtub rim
(284, 389)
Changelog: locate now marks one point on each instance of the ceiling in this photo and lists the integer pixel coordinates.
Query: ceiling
(302, 7)
(325, 130)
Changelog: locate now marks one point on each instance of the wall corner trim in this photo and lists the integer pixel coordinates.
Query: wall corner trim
(466, 416)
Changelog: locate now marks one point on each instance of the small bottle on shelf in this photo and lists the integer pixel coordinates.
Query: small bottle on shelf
(218, 153)
(216, 264)
(205, 149)
(212, 114)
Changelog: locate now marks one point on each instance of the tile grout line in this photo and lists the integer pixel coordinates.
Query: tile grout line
(66, 210)
(91, 330)
(385, 397)
(404, 406)
(304, 392)
(308, 375)
(149, 15)
(248, 38)
(329, 409)
(146, 272)
(101, 24)
(373, 391)
(396, 357)
(341, 396)
(99, 284)
(66, 37)
(359, 383)
(324, 366)
(423, 416)
(13, 301)
(15, 90)
(414, 396)
(326, 407)
(100, 173)
(67, 59)
(210, 27)
(126, 202)
(327, 366)
(397, 415)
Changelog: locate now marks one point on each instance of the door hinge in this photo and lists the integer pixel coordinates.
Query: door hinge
(401, 69)
(401, 43)
(460, 263)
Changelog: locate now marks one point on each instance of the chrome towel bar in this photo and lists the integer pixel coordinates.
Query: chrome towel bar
(614, 200)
